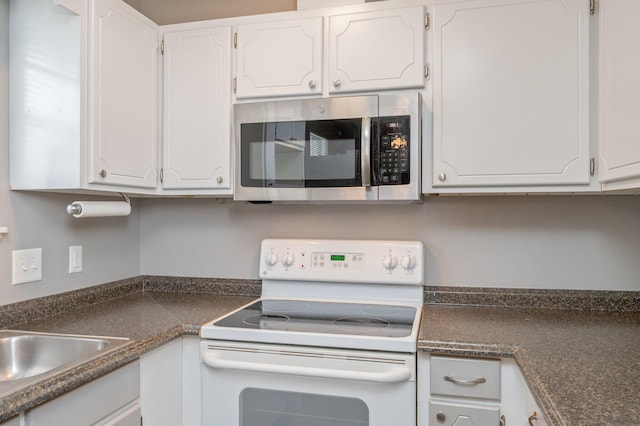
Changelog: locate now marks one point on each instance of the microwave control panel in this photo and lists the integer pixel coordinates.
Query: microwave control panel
(392, 166)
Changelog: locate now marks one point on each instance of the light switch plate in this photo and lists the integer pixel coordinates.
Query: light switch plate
(75, 259)
(26, 266)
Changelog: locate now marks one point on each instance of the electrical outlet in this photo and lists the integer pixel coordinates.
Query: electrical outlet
(75, 259)
(26, 266)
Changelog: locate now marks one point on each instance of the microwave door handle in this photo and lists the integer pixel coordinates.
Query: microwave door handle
(365, 151)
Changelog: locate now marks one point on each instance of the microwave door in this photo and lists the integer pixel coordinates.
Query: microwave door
(306, 150)
(333, 158)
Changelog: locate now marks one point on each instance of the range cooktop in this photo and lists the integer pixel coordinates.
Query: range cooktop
(351, 294)
(323, 317)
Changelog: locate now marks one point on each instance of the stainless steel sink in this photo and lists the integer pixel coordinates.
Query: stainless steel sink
(28, 356)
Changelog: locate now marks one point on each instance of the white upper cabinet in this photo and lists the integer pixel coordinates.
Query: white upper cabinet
(124, 73)
(84, 116)
(282, 58)
(197, 102)
(511, 96)
(619, 165)
(377, 50)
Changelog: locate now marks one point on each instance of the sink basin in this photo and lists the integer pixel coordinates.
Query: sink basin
(30, 355)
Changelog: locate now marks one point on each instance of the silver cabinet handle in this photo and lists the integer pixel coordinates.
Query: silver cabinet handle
(219, 179)
(465, 382)
(532, 417)
(442, 176)
(337, 82)
(312, 84)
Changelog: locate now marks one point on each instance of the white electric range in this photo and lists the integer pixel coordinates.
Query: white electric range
(331, 341)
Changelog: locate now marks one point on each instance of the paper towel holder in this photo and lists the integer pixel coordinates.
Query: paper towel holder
(75, 208)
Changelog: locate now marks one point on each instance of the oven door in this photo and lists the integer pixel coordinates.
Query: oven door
(246, 384)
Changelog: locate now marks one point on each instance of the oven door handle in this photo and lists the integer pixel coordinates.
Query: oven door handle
(393, 375)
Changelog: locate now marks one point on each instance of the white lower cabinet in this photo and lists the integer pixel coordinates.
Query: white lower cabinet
(109, 400)
(170, 384)
(461, 391)
(471, 391)
(161, 385)
(455, 414)
(191, 383)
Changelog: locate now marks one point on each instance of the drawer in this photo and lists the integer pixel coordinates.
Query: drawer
(445, 414)
(474, 378)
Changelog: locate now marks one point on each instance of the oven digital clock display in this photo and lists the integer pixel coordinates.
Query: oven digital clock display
(338, 261)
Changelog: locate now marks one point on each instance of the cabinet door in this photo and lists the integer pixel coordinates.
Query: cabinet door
(13, 422)
(619, 90)
(197, 102)
(511, 93)
(377, 50)
(124, 96)
(128, 416)
(91, 402)
(161, 384)
(281, 58)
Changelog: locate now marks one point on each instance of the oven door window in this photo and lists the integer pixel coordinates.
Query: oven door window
(301, 154)
(261, 407)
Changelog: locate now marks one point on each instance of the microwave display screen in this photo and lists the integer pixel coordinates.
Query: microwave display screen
(321, 153)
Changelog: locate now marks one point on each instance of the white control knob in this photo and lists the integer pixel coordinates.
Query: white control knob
(270, 258)
(390, 262)
(288, 259)
(408, 262)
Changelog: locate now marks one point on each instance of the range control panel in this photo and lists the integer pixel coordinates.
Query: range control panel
(320, 260)
(400, 262)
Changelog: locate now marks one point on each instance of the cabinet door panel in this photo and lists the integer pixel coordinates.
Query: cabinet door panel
(377, 50)
(130, 416)
(281, 58)
(448, 414)
(197, 91)
(619, 90)
(511, 93)
(91, 402)
(124, 96)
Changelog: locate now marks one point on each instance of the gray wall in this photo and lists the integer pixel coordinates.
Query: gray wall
(110, 246)
(560, 242)
(589, 242)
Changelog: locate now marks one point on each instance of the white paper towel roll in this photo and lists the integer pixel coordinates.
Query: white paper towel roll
(99, 208)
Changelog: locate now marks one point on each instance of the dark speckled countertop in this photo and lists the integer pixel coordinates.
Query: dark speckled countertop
(150, 319)
(583, 366)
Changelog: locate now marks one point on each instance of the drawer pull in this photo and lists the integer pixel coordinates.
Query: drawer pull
(532, 417)
(465, 382)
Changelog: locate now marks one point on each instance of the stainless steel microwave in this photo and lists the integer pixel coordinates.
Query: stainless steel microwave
(358, 148)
